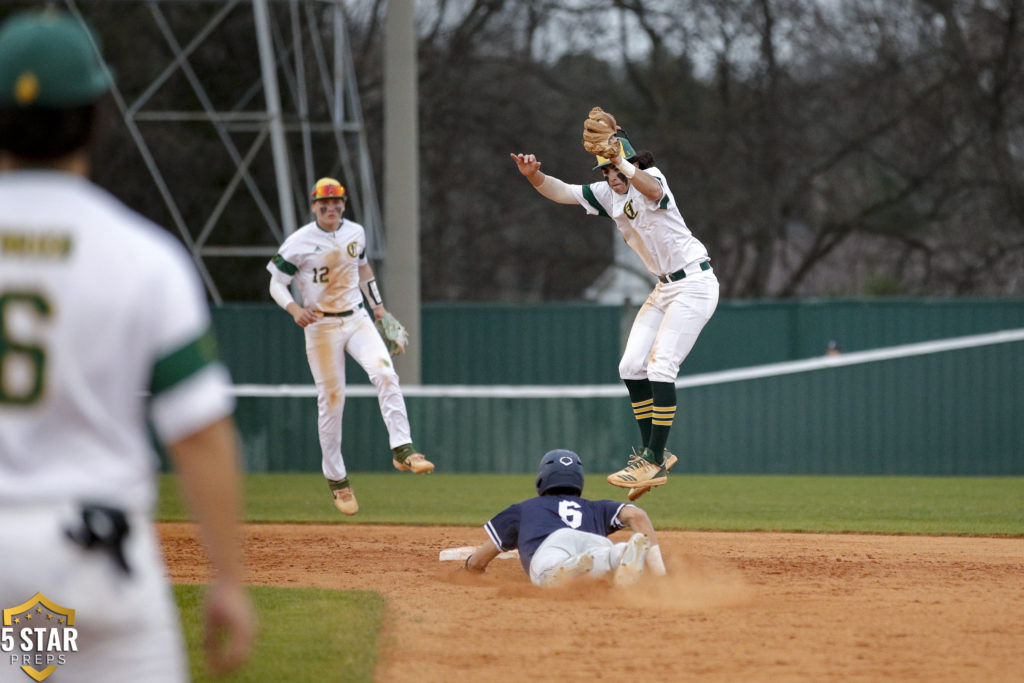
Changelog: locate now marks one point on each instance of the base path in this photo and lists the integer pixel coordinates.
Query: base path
(736, 606)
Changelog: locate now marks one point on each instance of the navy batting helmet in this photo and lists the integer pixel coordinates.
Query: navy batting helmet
(559, 469)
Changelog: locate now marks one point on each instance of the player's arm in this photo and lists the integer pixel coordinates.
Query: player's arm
(552, 188)
(482, 556)
(283, 298)
(371, 290)
(643, 181)
(281, 273)
(638, 521)
(207, 465)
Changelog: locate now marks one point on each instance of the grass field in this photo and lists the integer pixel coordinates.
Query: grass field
(292, 645)
(895, 505)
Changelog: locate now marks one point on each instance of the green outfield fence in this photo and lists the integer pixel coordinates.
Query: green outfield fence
(951, 406)
(580, 343)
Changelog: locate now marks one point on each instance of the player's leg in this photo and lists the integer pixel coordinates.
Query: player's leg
(567, 554)
(690, 303)
(369, 350)
(643, 469)
(633, 364)
(326, 356)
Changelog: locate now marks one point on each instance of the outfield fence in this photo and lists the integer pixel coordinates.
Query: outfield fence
(942, 407)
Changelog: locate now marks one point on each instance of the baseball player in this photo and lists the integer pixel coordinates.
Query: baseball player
(561, 536)
(635, 194)
(104, 342)
(327, 259)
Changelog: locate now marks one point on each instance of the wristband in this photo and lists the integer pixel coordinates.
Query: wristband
(371, 287)
(628, 169)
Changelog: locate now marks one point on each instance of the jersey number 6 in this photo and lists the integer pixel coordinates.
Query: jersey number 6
(22, 366)
(570, 513)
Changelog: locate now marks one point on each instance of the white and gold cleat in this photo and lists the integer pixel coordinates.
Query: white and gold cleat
(416, 463)
(344, 498)
(668, 463)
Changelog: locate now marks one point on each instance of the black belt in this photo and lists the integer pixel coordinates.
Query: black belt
(342, 314)
(680, 274)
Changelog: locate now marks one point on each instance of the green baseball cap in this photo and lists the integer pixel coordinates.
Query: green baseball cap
(47, 59)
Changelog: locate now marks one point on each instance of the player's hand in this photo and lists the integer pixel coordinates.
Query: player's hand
(302, 316)
(230, 627)
(526, 163)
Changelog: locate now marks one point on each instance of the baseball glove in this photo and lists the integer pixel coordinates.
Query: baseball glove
(395, 337)
(599, 134)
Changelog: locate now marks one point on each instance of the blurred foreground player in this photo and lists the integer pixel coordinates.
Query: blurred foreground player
(99, 309)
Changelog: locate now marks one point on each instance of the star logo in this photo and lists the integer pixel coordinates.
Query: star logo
(45, 644)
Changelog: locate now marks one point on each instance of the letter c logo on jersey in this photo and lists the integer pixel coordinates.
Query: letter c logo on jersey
(352, 249)
(629, 210)
(38, 633)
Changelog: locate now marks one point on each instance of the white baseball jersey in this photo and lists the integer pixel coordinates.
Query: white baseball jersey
(326, 267)
(667, 325)
(655, 230)
(98, 307)
(326, 264)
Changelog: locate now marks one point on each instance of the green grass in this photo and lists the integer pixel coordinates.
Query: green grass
(899, 505)
(306, 634)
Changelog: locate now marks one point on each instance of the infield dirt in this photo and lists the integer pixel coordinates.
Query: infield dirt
(735, 607)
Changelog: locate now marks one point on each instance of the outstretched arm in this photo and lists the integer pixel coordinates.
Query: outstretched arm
(552, 188)
(482, 556)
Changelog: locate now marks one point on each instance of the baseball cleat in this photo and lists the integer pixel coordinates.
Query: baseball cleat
(631, 566)
(407, 459)
(575, 566)
(415, 463)
(344, 499)
(668, 464)
(641, 471)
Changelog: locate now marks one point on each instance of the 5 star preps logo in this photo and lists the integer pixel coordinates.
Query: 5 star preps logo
(37, 635)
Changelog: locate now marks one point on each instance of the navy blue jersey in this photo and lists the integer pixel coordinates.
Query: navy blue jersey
(525, 525)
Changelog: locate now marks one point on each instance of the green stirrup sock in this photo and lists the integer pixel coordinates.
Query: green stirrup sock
(643, 406)
(403, 452)
(664, 412)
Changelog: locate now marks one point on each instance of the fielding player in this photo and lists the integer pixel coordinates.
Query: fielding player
(98, 309)
(636, 196)
(327, 258)
(561, 536)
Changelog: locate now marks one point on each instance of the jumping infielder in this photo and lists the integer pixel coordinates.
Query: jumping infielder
(636, 196)
(561, 536)
(104, 343)
(327, 258)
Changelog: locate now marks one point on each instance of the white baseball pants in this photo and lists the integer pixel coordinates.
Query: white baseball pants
(326, 343)
(667, 326)
(566, 543)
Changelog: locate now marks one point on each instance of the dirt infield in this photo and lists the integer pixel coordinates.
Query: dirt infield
(736, 606)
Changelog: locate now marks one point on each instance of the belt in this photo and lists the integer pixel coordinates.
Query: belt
(680, 274)
(342, 314)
